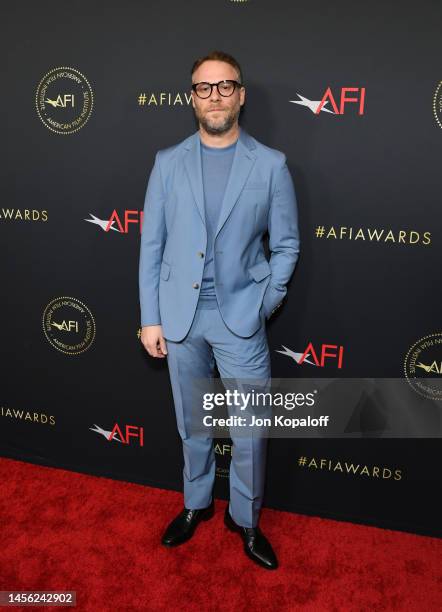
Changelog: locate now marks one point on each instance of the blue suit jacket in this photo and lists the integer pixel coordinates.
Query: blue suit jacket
(259, 196)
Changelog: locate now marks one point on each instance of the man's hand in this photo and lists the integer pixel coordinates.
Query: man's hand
(153, 340)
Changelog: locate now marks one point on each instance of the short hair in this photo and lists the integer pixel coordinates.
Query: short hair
(221, 57)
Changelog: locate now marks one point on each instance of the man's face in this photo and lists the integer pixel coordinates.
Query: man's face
(227, 110)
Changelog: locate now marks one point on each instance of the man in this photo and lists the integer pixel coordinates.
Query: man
(206, 287)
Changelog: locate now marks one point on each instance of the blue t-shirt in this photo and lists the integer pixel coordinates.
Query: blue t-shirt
(216, 166)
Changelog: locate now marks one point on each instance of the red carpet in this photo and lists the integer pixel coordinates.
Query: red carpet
(100, 537)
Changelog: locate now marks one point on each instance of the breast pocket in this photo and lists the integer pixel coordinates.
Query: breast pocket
(256, 185)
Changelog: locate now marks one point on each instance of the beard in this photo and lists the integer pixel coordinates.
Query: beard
(218, 125)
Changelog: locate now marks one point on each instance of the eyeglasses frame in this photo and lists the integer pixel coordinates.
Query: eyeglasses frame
(236, 83)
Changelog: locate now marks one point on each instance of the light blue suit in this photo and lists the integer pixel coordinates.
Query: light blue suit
(259, 196)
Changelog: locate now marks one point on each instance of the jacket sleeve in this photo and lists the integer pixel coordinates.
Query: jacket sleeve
(284, 242)
(153, 238)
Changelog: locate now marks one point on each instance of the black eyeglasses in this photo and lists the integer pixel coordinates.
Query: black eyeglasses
(225, 88)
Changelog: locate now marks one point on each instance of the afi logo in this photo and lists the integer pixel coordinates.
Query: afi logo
(116, 223)
(131, 431)
(116, 435)
(344, 99)
(127, 219)
(66, 325)
(339, 101)
(433, 368)
(319, 357)
(62, 101)
(223, 449)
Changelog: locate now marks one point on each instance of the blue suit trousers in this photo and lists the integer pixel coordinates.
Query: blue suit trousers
(210, 341)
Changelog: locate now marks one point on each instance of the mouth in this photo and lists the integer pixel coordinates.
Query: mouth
(213, 110)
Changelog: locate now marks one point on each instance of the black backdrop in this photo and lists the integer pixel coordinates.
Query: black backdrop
(376, 169)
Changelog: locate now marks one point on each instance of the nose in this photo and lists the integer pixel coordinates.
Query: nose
(214, 96)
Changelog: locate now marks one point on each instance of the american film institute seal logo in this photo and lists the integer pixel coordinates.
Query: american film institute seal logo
(437, 104)
(68, 325)
(423, 366)
(64, 100)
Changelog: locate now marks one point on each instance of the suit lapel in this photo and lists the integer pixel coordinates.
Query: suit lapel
(243, 160)
(192, 163)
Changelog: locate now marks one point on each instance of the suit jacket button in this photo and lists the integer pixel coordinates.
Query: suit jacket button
(195, 285)
(200, 253)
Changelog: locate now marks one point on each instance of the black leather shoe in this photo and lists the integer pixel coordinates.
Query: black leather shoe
(256, 545)
(183, 526)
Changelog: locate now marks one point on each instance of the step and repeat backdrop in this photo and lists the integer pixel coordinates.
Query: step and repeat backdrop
(352, 95)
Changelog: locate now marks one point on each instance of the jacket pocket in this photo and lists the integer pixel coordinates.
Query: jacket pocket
(164, 270)
(260, 270)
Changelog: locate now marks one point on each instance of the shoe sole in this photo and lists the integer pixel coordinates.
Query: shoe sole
(228, 522)
(208, 514)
